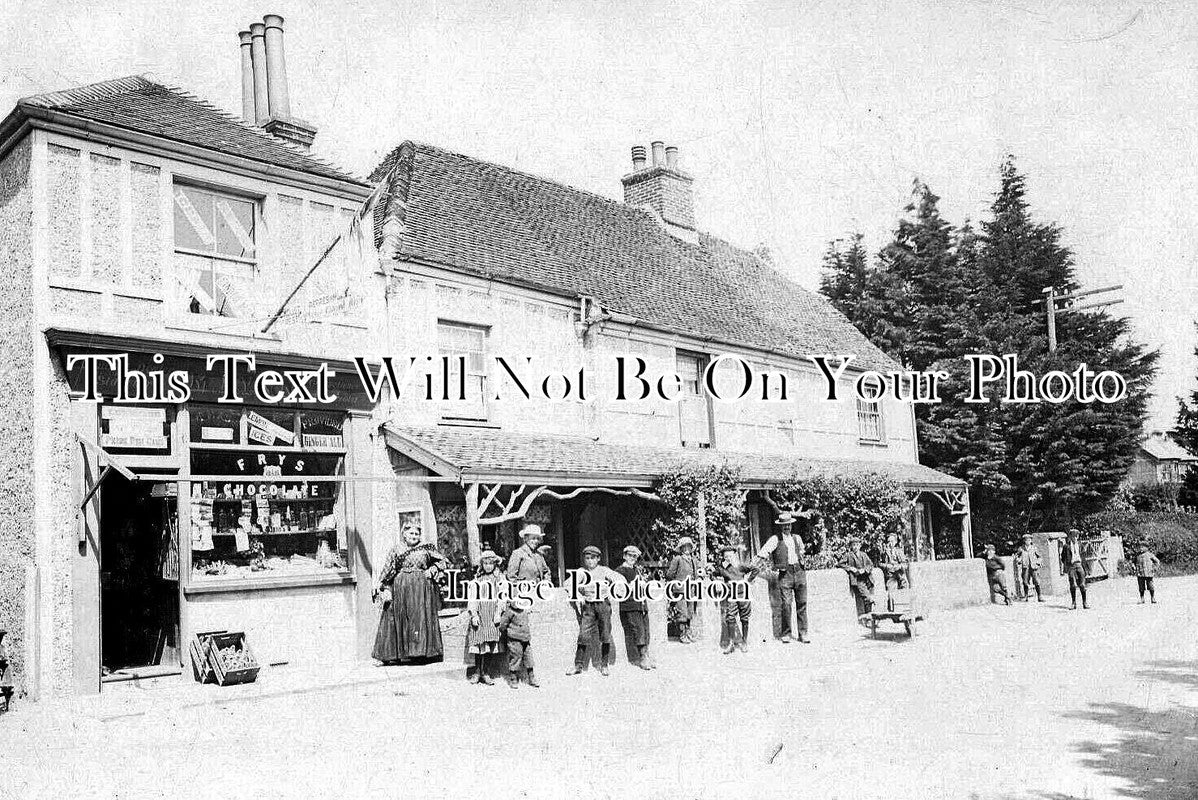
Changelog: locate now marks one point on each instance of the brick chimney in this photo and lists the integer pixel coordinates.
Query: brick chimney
(662, 187)
(264, 73)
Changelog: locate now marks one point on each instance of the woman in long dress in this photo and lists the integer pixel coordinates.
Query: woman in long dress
(408, 626)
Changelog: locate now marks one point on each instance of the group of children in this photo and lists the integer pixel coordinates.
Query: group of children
(497, 627)
(1028, 561)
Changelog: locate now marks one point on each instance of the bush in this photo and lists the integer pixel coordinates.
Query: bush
(723, 511)
(870, 506)
(1172, 536)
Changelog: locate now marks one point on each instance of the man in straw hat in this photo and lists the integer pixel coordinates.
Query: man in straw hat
(526, 563)
(634, 613)
(784, 552)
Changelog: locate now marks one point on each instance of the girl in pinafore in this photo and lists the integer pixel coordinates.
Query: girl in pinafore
(483, 648)
(408, 626)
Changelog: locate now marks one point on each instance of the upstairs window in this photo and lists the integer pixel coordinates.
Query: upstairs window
(468, 342)
(870, 427)
(694, 406)
(216, 250)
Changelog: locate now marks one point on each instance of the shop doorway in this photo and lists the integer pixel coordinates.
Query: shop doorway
(139, 579)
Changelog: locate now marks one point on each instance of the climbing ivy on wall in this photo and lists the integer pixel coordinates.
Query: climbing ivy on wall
(723, 506)
(869, 506)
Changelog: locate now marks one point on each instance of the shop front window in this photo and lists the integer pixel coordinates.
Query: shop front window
(263, 505)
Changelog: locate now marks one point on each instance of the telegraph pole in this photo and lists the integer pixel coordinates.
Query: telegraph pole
(1069, 299)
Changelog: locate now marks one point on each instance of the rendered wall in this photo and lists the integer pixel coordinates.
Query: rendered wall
(17, 538)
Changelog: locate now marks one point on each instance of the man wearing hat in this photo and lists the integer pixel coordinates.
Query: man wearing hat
(784, 551)
(683, 567)
(594, 617)
(1074, 566)
(526, 564)
(1027, 564)
(634, 613)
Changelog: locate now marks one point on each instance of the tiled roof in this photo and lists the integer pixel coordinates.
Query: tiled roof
(489, 220)
(140, 104)
(1162, 448)
(484, 451)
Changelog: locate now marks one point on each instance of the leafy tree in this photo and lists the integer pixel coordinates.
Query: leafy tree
(1030, 466)
(1185, 433)
(872, 299)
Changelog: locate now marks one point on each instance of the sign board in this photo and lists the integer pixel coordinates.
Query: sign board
(276, 431)
(134, 427)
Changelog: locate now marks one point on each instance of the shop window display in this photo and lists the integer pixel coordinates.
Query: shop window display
(280, 520)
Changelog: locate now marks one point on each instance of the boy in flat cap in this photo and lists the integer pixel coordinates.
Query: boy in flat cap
(734, 631)
(1027, 566)
(996, 576)
(1074, 566)
(594, 617)
(634, 613)
(785, 551)
(861, 577)
(483, 646)
(683, 566)
(517, 637)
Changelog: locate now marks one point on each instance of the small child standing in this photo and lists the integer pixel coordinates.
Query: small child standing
(482, 639)
(734, 630)
(1146, 564)
(517, 635)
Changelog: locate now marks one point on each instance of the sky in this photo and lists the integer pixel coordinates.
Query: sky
(801, 122)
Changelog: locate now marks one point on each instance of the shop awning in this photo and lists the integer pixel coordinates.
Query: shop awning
(486, 455)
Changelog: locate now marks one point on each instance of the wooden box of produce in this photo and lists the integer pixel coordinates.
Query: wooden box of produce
(201, 667)
(232, 659)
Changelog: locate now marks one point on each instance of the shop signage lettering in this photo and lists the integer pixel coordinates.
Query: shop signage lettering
(141, 428)
(216, 434)
(276, 431)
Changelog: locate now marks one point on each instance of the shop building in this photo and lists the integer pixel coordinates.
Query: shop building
(138, 219)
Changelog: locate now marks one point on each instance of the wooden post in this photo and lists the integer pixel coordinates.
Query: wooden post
(967, 528)
(701, 524)
(473, 536)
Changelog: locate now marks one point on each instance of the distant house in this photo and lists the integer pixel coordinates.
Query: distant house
(1160, 462)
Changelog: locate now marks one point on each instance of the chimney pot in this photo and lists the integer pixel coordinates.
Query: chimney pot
(659, 149)
(258, 60)
(276, 67)
(672, 157)
(248, 112)
(638, 157)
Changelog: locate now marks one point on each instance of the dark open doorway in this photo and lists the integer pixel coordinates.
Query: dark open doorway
(139, 572)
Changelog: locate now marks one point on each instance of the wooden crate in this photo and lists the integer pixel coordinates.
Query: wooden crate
(228, 674)
(201, 668)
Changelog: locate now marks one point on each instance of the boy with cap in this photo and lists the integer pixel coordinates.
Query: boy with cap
(1074, 566)
(996, 576)
(1146, 564)
(861, 577)
(634, 613)
(734, 631)
(594, 617)
(483, 646)
(1027, 565)
(683, 567)
(517, 636)
(785, 551)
